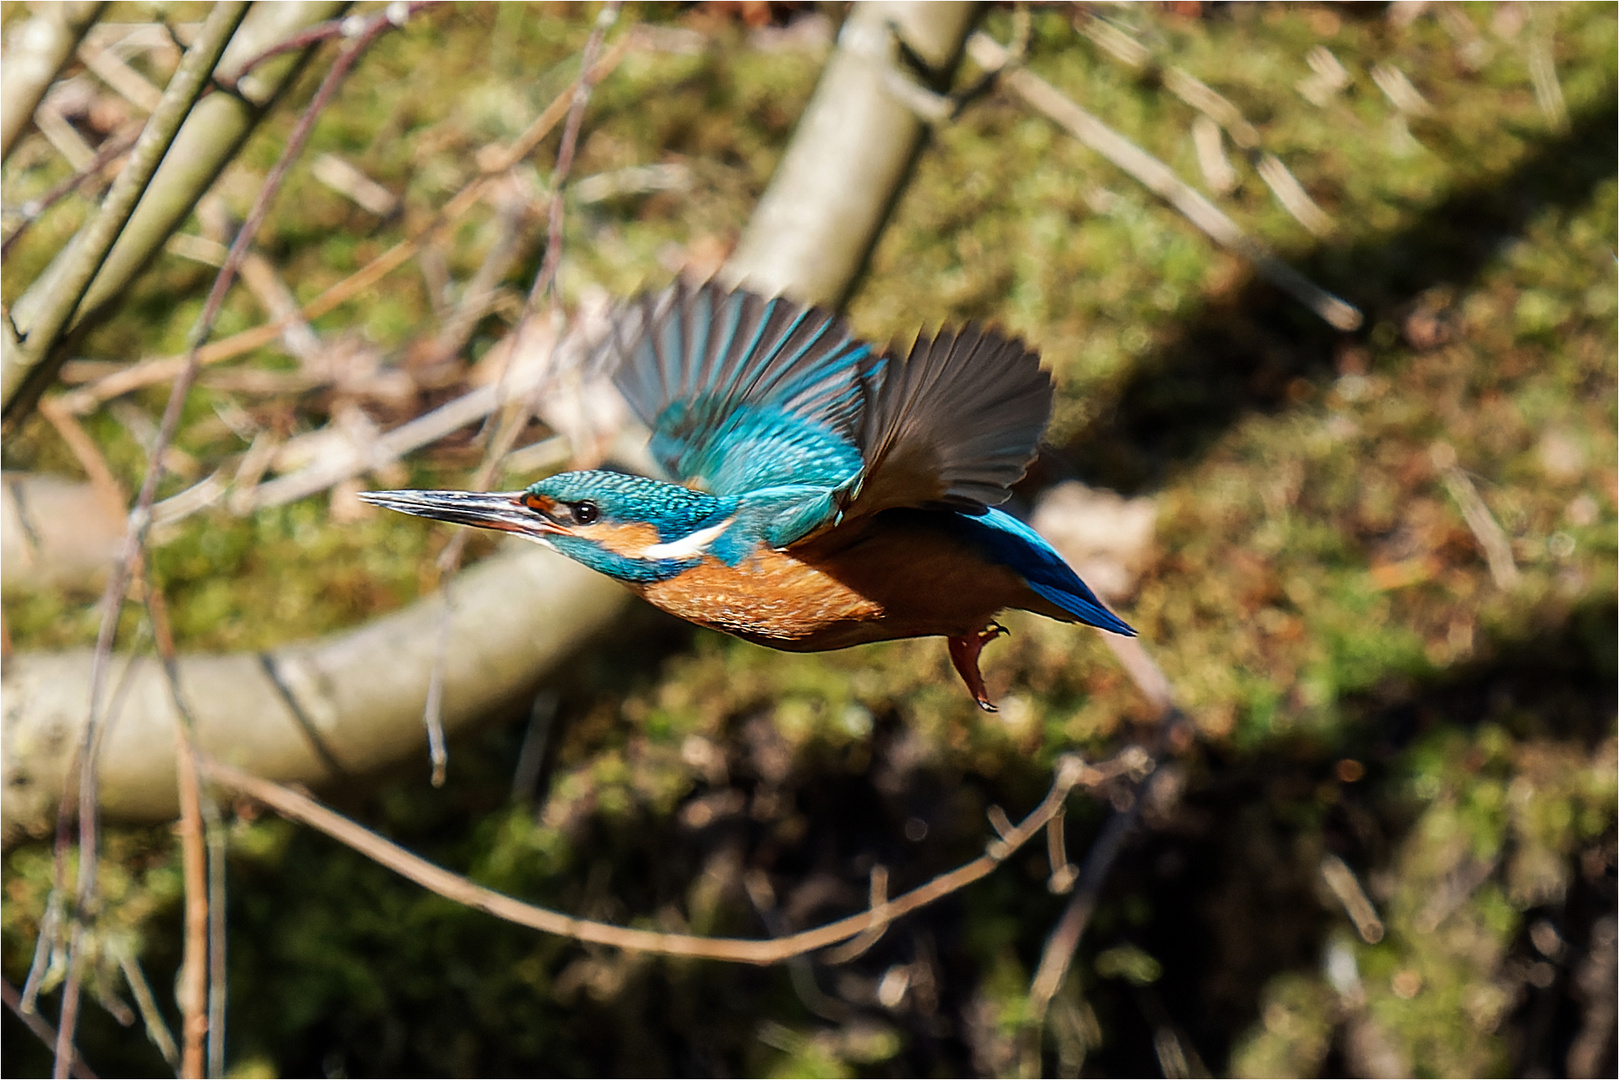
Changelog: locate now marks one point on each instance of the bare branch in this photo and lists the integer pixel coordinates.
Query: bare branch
(193, 990)
(157, 1029)
(310, 711)
(112, 148)
(213, 132)
(40, 1027)
(1492, 539)
(1064, 939)
(1071, 772)
(494, 164)
(514, 419)
(134, 553)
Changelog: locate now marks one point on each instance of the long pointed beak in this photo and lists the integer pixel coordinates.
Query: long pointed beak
(504, 511)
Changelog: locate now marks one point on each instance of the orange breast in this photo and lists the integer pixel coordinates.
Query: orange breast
(771, 597)
(881, 582)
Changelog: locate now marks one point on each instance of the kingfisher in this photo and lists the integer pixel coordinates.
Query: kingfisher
(819, 492)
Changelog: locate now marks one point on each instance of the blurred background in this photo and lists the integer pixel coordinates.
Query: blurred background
(1375, 566)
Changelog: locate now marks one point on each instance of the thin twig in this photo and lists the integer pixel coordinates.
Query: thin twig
(1063, 872)
(214, 832)
(1346, 887)
(122, 79)
(565, 152)
(63, 136)
(202, 839)
(89, 455)
(193, 989)
(343, 26)
(1492, 539)
(1071, 772)
(111, 147)
(1161, 180)
(50, 929)
(40, 1027)
(157, 1029)
(1064, 939)
(1548, 91)
(68, 1020)
(511, 205)
(1291, 194)
(861, 942)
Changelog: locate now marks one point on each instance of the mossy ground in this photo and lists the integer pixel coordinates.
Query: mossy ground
(1364, 687)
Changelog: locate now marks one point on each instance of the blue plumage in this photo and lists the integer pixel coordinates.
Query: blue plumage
(1010, 541)
(820, 493)
(742, 393)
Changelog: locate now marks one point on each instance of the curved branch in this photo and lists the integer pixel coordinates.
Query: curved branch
(310, 712)
(1071, 772)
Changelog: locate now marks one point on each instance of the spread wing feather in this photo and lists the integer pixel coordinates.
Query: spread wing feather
(956, 422)
(742, 392)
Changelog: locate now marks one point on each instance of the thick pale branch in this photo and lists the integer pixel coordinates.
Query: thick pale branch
(848, 159)
(309, 712)
(37, 50)
(164, 369)
(43, 322)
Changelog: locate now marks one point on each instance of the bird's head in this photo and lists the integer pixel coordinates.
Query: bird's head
(629, 527)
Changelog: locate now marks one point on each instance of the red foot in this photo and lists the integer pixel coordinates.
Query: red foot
(964, 654)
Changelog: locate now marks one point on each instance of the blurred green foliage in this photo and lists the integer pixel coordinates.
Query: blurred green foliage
(1363, 687)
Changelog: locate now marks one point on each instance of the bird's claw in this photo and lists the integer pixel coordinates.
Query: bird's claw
(964, 655)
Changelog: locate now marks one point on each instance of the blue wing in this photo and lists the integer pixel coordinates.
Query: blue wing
(778, 402)
(743, 393)
(1009, 541)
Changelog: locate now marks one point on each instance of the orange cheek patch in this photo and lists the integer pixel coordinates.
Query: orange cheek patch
(629, 539)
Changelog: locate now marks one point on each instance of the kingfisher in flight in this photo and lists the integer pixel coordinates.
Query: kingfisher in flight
(821, 493)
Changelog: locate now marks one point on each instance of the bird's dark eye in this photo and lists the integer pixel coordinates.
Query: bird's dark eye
(585, 512)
